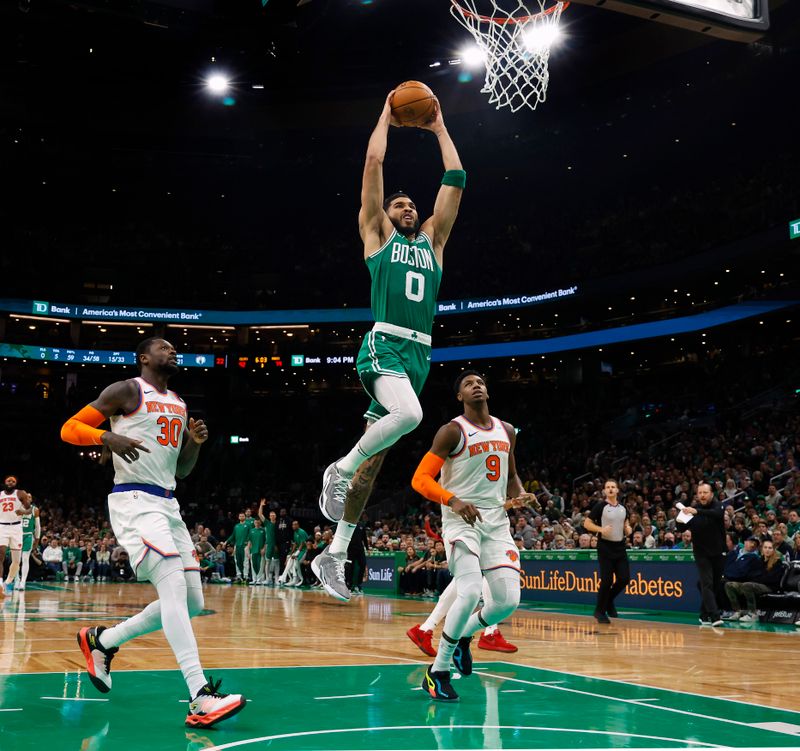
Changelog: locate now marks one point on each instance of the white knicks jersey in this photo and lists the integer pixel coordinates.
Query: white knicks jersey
(9, 503)
(477, 470)
(158, 421)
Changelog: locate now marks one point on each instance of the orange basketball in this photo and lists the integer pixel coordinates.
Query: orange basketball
(413, 103)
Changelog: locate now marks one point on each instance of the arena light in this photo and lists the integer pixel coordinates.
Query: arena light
(217, 83)
(541, 35)
(473, 56)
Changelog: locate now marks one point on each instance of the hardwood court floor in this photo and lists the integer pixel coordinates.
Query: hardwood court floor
(322, 674)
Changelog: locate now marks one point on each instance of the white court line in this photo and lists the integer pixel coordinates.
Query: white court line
(265, 738)
(69, 698)
(643, 701)
(513, 691)
(344, 696)
(11, 710)
(630, 701)
(647, 685)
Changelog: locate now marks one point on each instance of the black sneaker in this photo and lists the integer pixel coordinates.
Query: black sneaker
(462, 656)
(211, 706)
(438, 685)
(601, 618)
(611, 612)
(98, 658)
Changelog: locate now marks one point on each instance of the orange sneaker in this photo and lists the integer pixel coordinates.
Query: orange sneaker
(495, 643)
(423, 639)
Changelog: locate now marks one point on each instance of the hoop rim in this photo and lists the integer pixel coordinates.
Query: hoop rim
(563, 4)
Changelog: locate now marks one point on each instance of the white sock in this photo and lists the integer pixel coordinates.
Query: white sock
(489, 630)
(446, 600)
(469, 591)
(342, 537)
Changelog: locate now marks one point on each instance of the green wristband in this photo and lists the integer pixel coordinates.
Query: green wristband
(455, 177)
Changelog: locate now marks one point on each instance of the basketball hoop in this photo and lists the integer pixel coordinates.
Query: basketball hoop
(516, 47)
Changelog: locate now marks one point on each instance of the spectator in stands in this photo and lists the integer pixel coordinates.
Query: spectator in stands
(647, 533)
(793, 523)
(669, 541)
(780, 544)
(585, 541)
(437, 569)
(72, 565)
(686, 541)
(121, 571)
(103, 558)
(411, 577)
(637, 540)
(764, 579)
(89, 562)
(53, 557)
(525, 532)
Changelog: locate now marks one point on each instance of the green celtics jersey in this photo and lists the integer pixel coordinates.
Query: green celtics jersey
(29, 522)
(405, 282)
(239, 535)
(300, 536)
(269, 530)
(257, 538)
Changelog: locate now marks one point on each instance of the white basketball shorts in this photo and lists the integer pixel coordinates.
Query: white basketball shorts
(490, 539)
(11, 536)
(150, 528)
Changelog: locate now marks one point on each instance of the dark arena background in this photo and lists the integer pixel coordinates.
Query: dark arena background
(623, 272)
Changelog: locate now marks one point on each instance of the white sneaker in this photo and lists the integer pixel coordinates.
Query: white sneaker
(210, 706)
(329, 569)
(748, 618)
(334, 492)
(733, 617)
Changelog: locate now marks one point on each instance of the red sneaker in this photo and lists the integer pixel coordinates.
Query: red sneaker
(423, 639)
(495, 643)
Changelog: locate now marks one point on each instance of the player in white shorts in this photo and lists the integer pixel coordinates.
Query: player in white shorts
(475, 455)
(153, 441)
(14, 505)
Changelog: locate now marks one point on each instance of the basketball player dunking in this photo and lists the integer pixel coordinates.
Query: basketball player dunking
(15, 504)
(153, 441)
(475, 455)
(405, 262)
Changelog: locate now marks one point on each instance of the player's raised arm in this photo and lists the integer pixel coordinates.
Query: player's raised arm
(373, 223)
(424, 481)
(445, 210)
(82, 429)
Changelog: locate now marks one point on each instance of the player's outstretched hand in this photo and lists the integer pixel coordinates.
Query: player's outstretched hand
(436, 123)
(466, 511)
(387, 111)
(127, 448)
(198, 431)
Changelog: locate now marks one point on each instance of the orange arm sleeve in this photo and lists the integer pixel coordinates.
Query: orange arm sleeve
(424, 480)
(81, 429)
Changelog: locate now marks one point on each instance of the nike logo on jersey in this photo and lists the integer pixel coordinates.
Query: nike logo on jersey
(149, 392)
(472, 434)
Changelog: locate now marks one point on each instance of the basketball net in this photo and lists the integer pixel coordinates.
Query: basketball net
(516, 48)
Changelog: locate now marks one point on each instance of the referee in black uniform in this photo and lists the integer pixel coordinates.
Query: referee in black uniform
(609, 518)
(708, 545)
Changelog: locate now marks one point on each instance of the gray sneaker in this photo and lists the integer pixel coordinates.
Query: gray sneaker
(334, 493)
(329, 569)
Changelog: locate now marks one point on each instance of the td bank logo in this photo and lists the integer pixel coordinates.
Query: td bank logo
(41, 308)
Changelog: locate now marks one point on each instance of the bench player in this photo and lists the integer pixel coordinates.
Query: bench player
(475, 455)
(15, 504)
(405, 260)
(153, 441)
